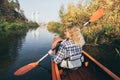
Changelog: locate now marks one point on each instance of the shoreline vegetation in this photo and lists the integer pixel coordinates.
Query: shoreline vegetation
(12, 18)
(106, 30)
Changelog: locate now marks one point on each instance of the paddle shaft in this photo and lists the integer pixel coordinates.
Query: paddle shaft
(86, 23)
(43, 57)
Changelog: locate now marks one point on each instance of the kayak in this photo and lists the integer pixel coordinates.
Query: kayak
(84, 72)
(78, 74)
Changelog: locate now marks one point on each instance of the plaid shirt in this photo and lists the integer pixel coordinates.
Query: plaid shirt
(67, 49)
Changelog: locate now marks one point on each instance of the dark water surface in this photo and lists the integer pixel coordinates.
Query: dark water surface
(16, 52)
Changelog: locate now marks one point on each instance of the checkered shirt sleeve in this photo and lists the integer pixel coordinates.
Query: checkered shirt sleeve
(60, 54)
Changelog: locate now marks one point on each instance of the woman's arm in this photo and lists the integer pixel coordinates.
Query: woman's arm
(60, 55)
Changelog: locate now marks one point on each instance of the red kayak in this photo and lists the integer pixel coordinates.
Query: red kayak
(84, 72)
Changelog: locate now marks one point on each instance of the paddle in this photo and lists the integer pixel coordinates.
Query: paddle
(98, 14)
(29, 67)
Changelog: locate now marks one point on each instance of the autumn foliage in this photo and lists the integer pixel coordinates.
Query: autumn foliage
(104, 30)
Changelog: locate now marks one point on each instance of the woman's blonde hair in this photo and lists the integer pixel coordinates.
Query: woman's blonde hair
(75, 35)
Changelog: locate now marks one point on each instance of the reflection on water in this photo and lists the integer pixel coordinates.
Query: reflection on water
(107, 56)
(17, 51)
(9, 46)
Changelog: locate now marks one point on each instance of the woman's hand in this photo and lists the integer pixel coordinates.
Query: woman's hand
(50, 52)
(56, 41)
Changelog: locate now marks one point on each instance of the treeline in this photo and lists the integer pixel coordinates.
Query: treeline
(12, 17)
(104, 30)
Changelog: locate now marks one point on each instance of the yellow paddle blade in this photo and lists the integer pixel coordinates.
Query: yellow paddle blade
(26, 68)
(99, 13)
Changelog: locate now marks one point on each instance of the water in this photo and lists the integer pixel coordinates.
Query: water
(31, 47)
(17, 51)
(107, 56)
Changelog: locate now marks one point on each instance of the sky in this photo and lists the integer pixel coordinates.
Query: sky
(43, 10)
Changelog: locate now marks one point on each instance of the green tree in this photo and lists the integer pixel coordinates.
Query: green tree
(12, 8)
(61, 11)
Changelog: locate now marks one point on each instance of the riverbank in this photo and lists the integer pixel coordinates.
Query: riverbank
(17, 25)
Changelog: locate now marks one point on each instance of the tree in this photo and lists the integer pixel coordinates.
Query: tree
(61, 11)
(12, 8)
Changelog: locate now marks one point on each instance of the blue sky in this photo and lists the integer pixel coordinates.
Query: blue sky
(44, 10)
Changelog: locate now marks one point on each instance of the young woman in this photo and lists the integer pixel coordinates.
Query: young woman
(69, 54)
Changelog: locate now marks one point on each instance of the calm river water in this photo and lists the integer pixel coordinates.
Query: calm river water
(16, 52)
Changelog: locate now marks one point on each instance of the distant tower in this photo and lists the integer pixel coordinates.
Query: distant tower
(35, 16)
